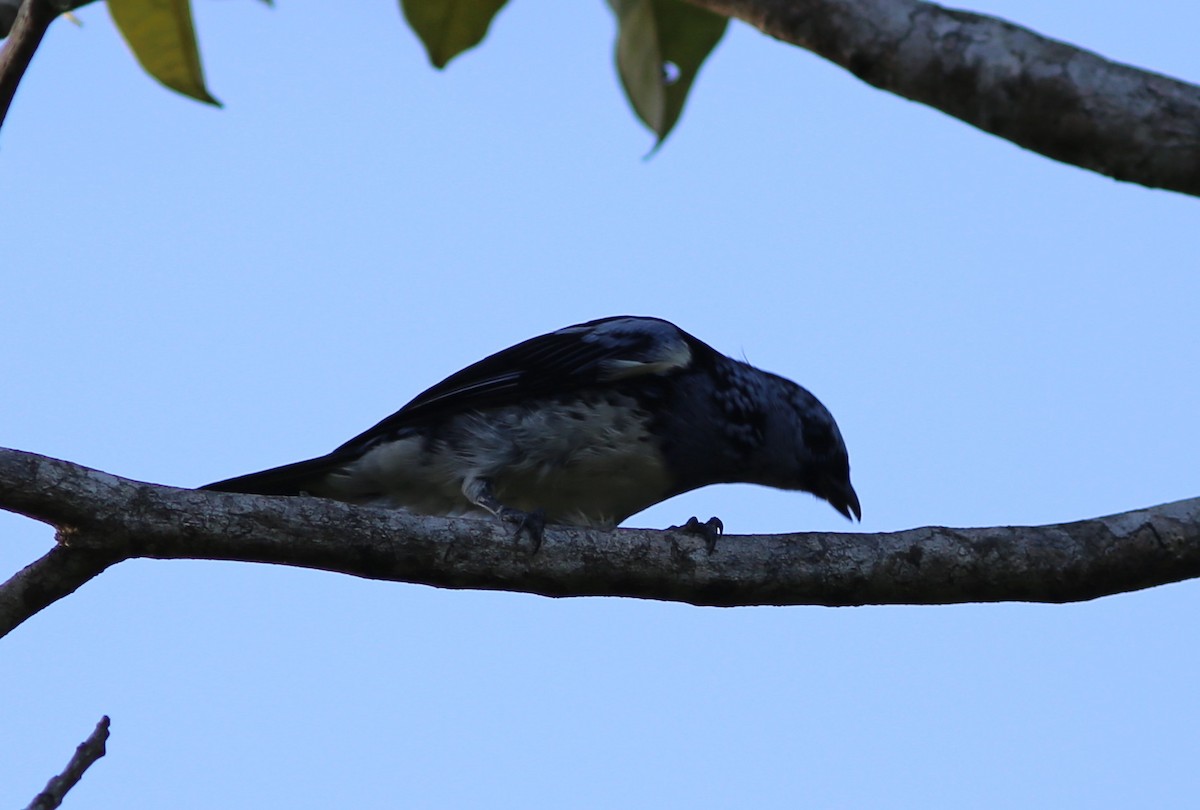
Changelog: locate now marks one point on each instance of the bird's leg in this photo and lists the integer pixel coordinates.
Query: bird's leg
(710, 530)
(479, 492)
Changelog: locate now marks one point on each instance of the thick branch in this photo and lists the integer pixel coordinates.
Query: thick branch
(1047, 96)
(116, 518)
(86, 753)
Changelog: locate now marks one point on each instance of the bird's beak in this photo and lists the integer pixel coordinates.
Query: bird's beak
(842, 497)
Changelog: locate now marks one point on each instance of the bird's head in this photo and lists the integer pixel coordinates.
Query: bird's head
(804, 450)
(832, 482)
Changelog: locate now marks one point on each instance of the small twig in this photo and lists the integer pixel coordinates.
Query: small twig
(59, 573)
(32, 21)
(88, 752)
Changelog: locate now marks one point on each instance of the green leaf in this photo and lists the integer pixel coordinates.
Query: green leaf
(161, 35)
(449, 27)
(660, 47)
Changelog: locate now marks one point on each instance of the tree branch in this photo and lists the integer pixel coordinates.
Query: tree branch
(114, 519)
(86, 753)
(1063, 102)
(1050, 97)
(33, 19)
(42, 583)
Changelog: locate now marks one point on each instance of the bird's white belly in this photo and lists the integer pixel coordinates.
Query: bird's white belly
(593, 464)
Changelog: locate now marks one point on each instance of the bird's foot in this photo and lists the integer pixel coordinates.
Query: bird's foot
(531, 523)
(479, 492)
(710, 530)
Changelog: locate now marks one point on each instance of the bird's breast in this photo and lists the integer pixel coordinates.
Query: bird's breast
(592, 460)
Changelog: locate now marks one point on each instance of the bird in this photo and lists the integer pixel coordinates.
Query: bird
(584, 426)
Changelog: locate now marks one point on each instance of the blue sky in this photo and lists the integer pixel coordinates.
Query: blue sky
(189, 294)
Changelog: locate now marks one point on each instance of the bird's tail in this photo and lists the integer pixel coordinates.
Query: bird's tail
(300, 478)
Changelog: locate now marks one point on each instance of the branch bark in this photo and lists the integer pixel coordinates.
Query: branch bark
(86, 753)
(33, 19)
(44, 582)
(103, 519)
(1050, 97)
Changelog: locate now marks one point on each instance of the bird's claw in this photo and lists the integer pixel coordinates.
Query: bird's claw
(531, 523)
(710, 530)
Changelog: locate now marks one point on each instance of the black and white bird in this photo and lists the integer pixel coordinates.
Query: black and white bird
(583, 426)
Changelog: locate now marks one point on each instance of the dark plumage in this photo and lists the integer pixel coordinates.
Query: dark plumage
(586, 425)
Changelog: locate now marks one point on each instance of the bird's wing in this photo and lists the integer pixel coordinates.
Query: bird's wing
(585, 355)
